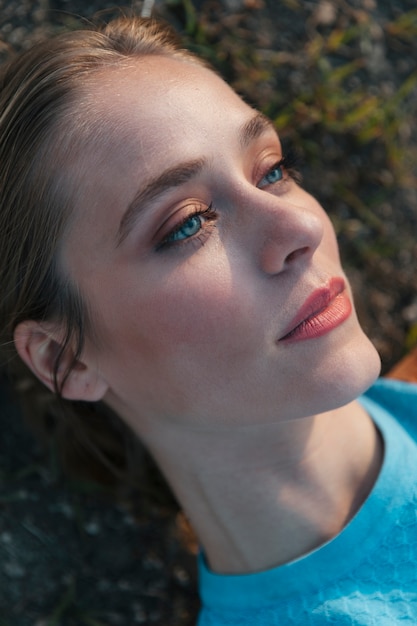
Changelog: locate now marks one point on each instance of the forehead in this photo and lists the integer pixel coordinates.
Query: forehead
(140, 120)
(158, 100)
(153, 77)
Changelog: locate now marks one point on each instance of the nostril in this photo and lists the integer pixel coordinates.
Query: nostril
(296, 253)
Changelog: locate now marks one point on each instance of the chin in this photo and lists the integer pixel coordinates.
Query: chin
(353, 370)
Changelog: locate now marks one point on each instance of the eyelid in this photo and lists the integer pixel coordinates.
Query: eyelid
(206, 211)
(289, 162)
(174, 217)
(267, 170)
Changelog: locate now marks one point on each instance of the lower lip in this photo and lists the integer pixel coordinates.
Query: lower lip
(322, 322)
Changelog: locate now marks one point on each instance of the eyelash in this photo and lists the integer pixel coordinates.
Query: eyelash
(290, 163)
(209, 214)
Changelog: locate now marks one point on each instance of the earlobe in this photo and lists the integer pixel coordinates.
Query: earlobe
(39, 347)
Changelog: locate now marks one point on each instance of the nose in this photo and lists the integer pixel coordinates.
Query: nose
(289, 233)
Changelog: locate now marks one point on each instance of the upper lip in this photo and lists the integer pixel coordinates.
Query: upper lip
(316, 302)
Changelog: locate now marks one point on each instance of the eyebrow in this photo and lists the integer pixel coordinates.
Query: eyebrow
(254, 128)
(180, 174)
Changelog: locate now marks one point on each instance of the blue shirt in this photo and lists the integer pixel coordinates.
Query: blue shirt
(367, 574)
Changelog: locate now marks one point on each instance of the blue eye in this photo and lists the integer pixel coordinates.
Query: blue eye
(196, 226)
(274, 175)
(283, 170)
(188, 229)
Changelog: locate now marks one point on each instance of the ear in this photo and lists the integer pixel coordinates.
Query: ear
(39, 346)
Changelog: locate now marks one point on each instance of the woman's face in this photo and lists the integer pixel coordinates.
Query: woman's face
(199, 254)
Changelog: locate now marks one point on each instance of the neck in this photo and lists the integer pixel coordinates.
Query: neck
(261, 496)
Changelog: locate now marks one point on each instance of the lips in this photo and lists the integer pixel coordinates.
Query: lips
(325, 309)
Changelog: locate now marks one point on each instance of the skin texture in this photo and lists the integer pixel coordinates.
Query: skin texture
(191, 330)
(254, 434)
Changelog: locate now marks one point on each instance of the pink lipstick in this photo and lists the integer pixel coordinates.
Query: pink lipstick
(325, 309)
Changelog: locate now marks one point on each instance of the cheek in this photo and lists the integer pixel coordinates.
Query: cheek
(162, 343)
(330, 245)
(197, 312)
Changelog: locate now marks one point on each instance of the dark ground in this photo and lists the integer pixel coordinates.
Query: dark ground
(68, 556)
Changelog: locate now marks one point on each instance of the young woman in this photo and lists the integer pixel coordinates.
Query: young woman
(159, 257)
